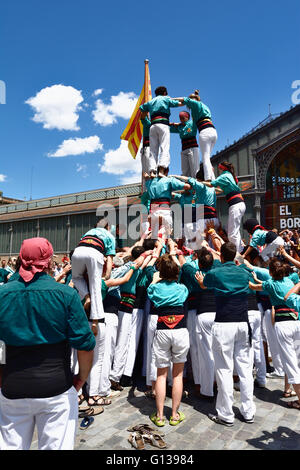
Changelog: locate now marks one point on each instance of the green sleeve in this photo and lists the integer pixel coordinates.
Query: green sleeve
(78, 331)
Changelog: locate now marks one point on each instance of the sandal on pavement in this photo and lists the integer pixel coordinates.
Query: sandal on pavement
(156, 420)
(144, 429)
(91, 412)
(155, 439)
(294, 404)
(137, 440)
(81, 399)
(289, 394)
(99, 402)
(174, 422)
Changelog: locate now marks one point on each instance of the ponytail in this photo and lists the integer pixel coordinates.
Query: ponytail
(228, 167)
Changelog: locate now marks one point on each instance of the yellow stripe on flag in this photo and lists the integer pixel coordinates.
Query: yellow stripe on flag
(134, 129)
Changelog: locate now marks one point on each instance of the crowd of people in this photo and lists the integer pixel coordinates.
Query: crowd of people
(72, 329)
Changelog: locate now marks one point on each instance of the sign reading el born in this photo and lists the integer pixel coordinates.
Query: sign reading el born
(289, 215)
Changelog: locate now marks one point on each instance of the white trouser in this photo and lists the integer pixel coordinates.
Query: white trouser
(151, 371)
(111, 323)
(135, 334)
(271, 248)
(235, 215)
(207, 140)
(159, 146)
(231, 349)
(160, 215)
(204, 323)
(96, 370)
(190, 162)
(145, 159)
(90, 260)
(273, 343)
(55, 418)
(257, 345)
(288, 334)
(191, 326)
(121, 351)
(263, 323)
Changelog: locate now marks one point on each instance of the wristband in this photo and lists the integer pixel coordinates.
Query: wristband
(154, 256)
(133, 268)
(172, 253)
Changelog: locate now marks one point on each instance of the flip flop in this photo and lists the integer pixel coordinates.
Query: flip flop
(86, 422)
(83, 409)
(174, 422)
(289, 394)
(137, 441)
(91, 412)
(293, 404)
(156, 420)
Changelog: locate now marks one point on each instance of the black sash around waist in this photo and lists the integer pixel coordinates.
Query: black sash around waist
(252, 302)
(284, 313)
(141, 297)
(170, 317)
(146, 142)
(233, 308)
(111, 304)
(264, 300)
(204, 123)
(207, 302)
(127, 302)
(39, 371)
(160, 118)
(234, 198)
(189, 143)
(210, 212)
(92, 242)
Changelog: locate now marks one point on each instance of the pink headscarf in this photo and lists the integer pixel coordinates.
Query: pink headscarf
(35, 255)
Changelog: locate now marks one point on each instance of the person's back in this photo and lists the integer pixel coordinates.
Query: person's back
(40, 320)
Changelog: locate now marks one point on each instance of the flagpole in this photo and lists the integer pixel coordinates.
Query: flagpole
(146, 94)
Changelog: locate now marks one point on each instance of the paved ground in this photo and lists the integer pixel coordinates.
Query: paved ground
(275, 426)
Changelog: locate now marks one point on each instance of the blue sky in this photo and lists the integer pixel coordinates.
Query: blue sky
(55, 55)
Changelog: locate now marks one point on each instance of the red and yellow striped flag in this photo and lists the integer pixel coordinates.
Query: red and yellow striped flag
(134, 130)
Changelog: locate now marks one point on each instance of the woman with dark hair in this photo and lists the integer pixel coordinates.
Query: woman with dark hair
(171, 342)
(286, 325)
(228, 182)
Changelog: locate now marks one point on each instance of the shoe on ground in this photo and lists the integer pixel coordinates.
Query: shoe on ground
(218, 420)
(115, 386)
(113, 394)
(274, 375)
(248, 420)
(174, 422)
(157, 421)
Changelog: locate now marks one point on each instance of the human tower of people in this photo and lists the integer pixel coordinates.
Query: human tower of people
(204, 297)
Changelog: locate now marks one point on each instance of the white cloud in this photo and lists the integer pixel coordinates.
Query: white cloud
(2, 178)
(120, 162)
(78, 146)
(121, 105)
(57, 107)
(82, 169)
(98, 92)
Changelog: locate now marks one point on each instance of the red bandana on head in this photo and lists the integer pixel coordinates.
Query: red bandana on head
(35, 255)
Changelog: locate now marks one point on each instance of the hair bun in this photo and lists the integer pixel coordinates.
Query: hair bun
(197, 92)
